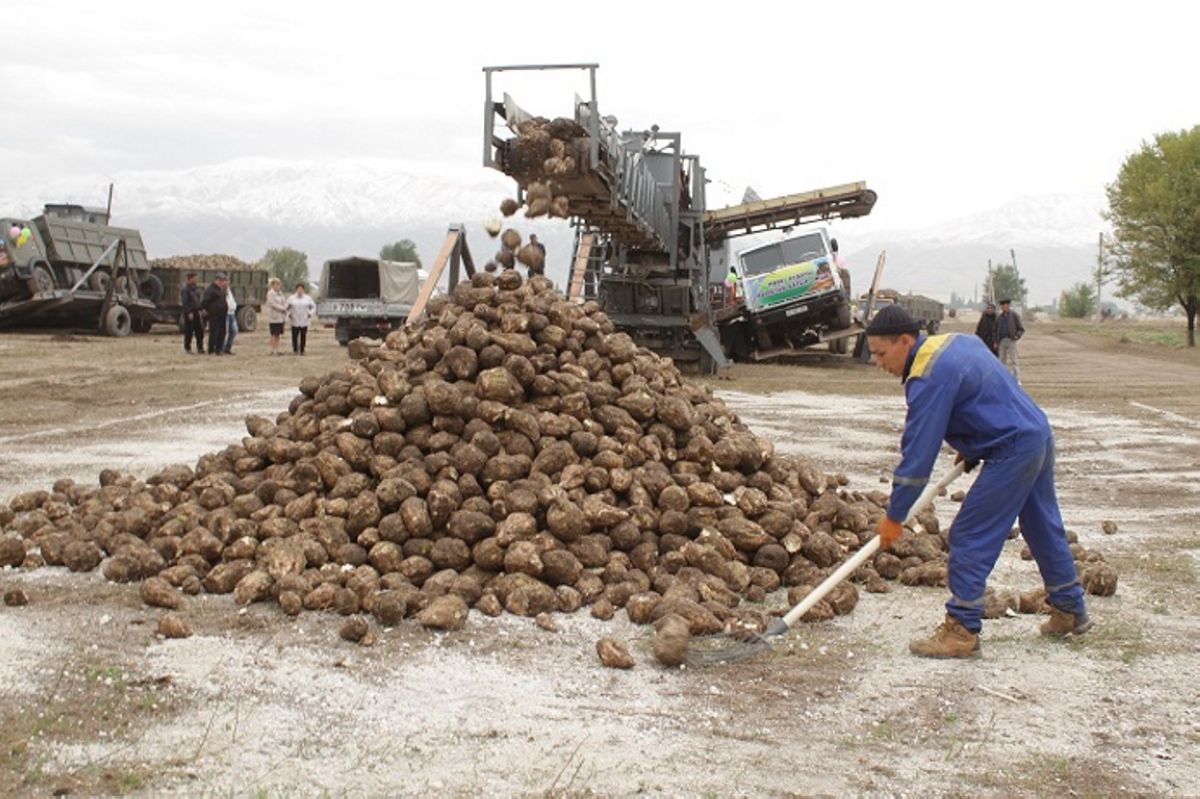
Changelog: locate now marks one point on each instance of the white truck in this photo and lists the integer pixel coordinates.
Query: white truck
(790, 294)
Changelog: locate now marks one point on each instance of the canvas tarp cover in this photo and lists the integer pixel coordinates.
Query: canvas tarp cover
(398, 283)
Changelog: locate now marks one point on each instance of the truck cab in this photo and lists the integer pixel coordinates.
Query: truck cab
(790, 294)
(20, 255)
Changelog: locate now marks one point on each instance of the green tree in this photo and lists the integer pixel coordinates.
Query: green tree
(404, 251)
(1007, 284)
(1078, 302)
(290, 266)
(1154, 207)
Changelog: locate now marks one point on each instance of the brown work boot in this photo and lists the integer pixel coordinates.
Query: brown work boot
(950, 640)
(1061, 623)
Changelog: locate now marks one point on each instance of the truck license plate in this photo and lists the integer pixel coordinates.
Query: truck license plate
(796, 310)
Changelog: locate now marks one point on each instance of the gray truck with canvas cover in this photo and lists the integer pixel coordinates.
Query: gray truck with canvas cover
(366, 296)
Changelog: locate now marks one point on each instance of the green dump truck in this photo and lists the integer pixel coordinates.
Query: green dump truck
(68, 265)
(247, 282)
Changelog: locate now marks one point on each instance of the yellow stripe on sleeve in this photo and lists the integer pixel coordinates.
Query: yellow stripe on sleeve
(927, 354)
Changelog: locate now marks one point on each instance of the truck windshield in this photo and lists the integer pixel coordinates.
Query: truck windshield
(795, 250)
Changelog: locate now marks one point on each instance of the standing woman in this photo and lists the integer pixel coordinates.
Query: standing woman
(300, 308)
(277, 309)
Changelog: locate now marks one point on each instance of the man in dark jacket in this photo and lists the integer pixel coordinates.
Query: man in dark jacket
(986, 329)
(1008, 331)
(193, 324)
(957, 393)
(216, 309)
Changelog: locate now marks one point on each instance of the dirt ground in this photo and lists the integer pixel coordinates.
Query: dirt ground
(259, 704)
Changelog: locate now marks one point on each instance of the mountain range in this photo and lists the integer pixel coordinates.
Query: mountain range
(247, 206)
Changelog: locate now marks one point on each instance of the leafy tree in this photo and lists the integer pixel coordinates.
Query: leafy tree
(1154, 207)
(1007, 283)
(1078, 302)
(290, 266)
(404, 250)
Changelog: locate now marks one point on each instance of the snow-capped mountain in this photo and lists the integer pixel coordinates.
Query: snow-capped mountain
(247, 206)
(1054, 239)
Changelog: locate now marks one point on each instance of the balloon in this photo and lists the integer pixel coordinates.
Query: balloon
(26, 232)
(14, 232)
(21, 240)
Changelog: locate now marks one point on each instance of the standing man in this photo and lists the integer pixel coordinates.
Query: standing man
(214, 307)
(193, 322)
(231, 327)
(959, 393)
(1008, 332)
(533, 239)
(277, 308)
(300, 308)
(986, 329)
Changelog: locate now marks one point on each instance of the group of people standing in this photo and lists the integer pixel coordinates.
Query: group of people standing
(1001, 332)
(217, 307)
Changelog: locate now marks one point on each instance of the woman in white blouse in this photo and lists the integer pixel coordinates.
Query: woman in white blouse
(300, 308)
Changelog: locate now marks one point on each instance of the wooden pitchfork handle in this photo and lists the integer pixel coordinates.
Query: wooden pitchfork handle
(870, 548)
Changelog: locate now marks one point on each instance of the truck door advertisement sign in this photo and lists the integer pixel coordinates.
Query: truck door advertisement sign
(788, 283)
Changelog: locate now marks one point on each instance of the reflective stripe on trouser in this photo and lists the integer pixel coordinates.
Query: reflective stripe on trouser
(1019, 485)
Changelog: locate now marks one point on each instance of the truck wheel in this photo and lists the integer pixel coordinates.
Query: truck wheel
(126, 286)
(844, 319)
(41, 279)
(341, 332)
(741, 346)
(933, 326)
(99, 281)
(151, 288)
(247, 319)
(839, 345)
(117, 321)
(142, 324)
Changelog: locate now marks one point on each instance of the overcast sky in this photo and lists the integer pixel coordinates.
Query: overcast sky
(943, 108)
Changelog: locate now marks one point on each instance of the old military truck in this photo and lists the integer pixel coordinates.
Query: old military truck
(366, 296)
(68, 265)
(790, 294)
(247, 282)
(928, 312)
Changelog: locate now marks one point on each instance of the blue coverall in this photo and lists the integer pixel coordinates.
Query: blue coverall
(959, 392)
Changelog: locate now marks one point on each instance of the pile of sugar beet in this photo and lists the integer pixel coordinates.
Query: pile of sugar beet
(510, 452)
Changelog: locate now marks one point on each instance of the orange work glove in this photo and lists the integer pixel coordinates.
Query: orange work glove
(889, 531)
(958, 458)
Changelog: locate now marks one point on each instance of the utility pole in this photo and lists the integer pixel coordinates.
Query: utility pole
(1099, 273)
(1017, 276)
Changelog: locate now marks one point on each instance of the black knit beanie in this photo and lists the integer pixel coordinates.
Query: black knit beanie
(892, 320)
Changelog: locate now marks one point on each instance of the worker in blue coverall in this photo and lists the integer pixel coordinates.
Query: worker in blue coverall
(958, 392)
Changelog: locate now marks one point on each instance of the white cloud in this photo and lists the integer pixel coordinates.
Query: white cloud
(944, 108)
